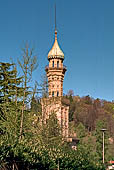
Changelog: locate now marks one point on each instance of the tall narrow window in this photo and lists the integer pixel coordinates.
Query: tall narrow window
(57, 93)
(53, 64)
(57, 64)
(52, 93)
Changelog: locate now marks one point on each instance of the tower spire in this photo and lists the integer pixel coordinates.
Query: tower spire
(55, 73)
(55, 17)
(55, 25)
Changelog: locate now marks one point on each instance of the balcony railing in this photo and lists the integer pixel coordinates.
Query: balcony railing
(59, 68)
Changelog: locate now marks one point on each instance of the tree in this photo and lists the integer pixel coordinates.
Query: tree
(44, 86)
(9, 85)
(36, 107)
(51, 131)
(70, 93)
(10, 91)
(28, 65)
(80, 131)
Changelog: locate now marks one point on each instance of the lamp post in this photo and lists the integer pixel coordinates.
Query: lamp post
(103, 130)
(58, 165)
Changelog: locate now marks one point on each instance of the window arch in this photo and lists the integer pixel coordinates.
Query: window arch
(57, 93)
(57, 64)
(52, 63)
(52, 93)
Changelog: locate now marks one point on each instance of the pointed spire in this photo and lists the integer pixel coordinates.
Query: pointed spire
(55, 17)
(55, 24)
(55, 51)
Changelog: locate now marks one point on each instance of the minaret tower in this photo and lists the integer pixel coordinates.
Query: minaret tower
(55, 73)
(56, 70)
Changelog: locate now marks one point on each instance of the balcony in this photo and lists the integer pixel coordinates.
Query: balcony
(64, 68)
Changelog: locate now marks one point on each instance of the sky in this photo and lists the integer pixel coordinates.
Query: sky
(85, 34)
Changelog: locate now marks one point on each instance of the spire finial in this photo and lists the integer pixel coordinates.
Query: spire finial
(55, 24)
(55, 17)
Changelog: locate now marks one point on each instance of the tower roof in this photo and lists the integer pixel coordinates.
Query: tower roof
(55, 51)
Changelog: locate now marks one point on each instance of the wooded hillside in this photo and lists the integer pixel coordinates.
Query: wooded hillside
(26, 143)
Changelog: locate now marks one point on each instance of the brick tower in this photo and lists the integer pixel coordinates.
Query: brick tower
(55, 73)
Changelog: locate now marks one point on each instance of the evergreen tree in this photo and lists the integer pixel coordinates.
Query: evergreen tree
(9, 83)
(10, 92)
(51, 131)
(6, 85)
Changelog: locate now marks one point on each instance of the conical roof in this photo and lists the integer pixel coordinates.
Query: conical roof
(55, 51)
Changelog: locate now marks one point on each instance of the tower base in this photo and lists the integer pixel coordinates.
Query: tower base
(54, 104)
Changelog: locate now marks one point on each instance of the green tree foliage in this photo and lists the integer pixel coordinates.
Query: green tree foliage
(51, 131)
(71, 104)
(26, 143)
(81, 131)
(9, 85)
(10, 106)
(10, 93)
(36, 107)
(87, 111)
(13, 95)
(93, 114)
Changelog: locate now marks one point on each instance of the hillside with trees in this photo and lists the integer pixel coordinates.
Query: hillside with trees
(87, 116)
(28, 144)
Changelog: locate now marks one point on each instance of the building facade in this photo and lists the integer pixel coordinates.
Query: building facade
(55, 73)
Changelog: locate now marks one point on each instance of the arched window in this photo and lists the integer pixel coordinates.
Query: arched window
(52, 93)
(57, 64)
(53, 64)
(57, 93)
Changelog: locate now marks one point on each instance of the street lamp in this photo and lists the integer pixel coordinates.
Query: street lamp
(103, 130)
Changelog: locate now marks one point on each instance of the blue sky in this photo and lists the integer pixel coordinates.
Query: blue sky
(85, 34)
